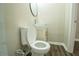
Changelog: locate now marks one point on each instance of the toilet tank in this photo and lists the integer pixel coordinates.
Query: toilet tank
(23, 36)
(28, 35)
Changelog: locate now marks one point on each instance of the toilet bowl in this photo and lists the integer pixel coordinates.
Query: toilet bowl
(38, 48)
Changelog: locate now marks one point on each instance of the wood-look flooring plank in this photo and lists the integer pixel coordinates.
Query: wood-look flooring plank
(64, 52)
(61, 51)
(58, 50)
(53, 50)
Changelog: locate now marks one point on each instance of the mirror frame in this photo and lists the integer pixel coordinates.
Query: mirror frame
(30, 5)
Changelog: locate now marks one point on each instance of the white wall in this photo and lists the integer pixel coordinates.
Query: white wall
(3, 43)
(16, 15)
(54, 16)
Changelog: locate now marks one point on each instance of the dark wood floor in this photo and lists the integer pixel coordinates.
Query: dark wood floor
(76, 48)
(58, 50)
(55, 50)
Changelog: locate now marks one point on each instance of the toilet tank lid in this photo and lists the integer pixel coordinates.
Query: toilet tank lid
(23, 32)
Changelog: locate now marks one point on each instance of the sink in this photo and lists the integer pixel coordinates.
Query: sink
(41, 26)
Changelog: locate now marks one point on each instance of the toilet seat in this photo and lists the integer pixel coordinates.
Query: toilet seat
(42, 46)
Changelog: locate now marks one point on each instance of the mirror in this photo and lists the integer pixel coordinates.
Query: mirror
(33, 9)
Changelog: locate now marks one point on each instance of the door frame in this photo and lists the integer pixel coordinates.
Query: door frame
(72, 27)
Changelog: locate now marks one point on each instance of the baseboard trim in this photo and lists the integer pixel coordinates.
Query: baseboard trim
(76, 39)
(56, 43)
(59, 43)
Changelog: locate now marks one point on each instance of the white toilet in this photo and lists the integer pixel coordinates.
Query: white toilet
(29, 37)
